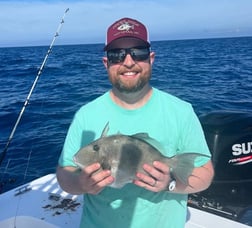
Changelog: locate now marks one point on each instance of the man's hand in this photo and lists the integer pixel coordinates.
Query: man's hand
(92, 179)
(158, 178)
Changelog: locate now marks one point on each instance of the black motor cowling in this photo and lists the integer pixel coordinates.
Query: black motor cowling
(229, 137)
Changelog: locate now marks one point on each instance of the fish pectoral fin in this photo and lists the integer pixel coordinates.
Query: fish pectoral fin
(105, 165)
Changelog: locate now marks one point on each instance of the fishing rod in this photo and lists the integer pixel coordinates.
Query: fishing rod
(3, 154)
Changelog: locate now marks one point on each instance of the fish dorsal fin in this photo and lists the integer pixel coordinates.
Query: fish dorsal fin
(105, 130)
(146, 138)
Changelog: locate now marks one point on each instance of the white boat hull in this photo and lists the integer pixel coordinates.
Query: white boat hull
(43, 204)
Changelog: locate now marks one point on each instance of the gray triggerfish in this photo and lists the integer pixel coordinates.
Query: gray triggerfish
(125, 155)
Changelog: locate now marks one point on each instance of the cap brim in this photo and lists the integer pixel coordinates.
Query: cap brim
(126, 42)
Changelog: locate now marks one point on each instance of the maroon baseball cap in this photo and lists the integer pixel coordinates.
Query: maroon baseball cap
(126, 32)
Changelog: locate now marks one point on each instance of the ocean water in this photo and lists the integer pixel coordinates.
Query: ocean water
(212, 74)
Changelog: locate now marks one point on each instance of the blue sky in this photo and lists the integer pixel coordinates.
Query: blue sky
(30, 22)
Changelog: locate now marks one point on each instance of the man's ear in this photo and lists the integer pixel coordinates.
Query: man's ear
(152, 57)
(105, 62)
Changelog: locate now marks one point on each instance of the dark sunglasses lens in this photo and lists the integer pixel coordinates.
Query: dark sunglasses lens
(140, 54)
(116, 56)
(137, 54)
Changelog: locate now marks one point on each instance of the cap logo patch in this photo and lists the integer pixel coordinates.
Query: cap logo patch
(125, 27)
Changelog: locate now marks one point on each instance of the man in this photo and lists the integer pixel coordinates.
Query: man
(133, 106)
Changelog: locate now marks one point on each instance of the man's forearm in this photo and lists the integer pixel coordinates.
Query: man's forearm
(68, 179)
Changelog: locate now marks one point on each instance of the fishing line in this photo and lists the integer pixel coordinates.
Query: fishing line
(3, 154)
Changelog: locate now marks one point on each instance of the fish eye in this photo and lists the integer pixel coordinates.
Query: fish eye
(96, 147)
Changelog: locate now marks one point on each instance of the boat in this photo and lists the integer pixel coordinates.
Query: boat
(42, 203)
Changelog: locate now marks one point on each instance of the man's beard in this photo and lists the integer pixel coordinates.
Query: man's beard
(121, 87)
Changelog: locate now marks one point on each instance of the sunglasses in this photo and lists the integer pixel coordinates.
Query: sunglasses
(136, 53)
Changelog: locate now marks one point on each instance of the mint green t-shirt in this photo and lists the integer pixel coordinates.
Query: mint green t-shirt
(165, 118)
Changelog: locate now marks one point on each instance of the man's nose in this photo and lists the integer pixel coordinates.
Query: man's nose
(128, 61)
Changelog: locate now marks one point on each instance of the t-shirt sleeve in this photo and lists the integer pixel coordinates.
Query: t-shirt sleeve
(72, 143)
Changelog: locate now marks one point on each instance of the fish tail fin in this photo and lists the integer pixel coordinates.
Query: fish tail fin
(183, 165)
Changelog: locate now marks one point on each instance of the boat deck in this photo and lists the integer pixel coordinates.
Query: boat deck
(42, 203)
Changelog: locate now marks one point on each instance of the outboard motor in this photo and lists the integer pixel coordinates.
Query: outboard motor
(229, 137)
